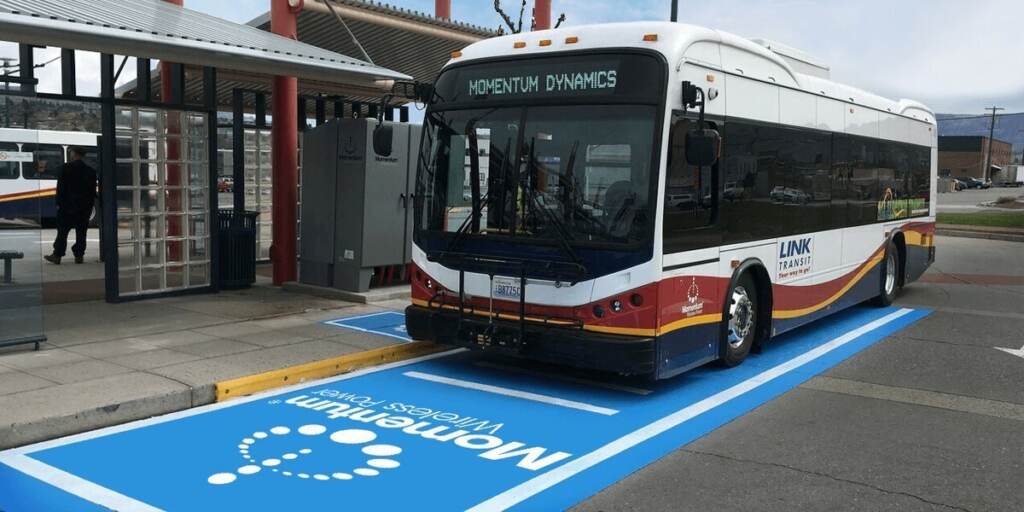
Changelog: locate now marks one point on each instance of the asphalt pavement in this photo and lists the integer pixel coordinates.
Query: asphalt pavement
(929, 419)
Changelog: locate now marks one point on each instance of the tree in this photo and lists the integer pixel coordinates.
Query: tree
(517, 27)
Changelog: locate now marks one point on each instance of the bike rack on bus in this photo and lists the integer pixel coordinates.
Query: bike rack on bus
(494, 266)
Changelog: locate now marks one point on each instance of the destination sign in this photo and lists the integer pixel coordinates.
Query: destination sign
(551, 82)
(637, 76)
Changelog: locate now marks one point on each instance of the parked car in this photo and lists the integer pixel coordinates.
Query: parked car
(960, 184)
(683, 201)
(225, 184)
(789, 195)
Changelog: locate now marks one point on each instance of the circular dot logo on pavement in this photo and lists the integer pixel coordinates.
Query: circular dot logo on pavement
(353, 437)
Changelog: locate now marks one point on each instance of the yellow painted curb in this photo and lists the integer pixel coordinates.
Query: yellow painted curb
(298, 374)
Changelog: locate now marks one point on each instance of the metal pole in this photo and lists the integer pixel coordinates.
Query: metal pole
(675, 10)
(542, 14)
(988, 153)
(284, 133)
(443, 9)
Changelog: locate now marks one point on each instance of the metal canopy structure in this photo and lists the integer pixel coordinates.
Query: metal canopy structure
(157, 30)
(412, 43)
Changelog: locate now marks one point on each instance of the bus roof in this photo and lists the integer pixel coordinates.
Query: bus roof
(707, 47)
(23, 135)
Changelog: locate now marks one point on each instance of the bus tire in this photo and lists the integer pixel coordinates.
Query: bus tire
(889, 281)
(739, 325)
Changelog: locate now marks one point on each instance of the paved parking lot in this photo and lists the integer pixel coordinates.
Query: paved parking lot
(928, 419)
(968, 200)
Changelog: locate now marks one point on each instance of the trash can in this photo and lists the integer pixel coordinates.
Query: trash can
(237, 243)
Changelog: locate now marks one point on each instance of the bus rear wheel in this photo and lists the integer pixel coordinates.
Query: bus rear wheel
(889, 283)
(740, 322)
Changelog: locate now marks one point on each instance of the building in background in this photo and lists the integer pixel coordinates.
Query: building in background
(963, 156)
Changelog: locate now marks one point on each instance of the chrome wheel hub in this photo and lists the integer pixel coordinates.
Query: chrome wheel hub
(890, 273)
(741, 316)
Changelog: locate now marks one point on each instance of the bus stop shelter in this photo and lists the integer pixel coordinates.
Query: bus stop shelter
(158, 152)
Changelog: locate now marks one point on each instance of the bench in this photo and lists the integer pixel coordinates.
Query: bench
(7, 256)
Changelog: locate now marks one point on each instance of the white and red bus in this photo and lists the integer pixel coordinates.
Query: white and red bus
(28, 184)
(573, 206)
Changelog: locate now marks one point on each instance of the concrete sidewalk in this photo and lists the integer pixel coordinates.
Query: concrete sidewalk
(106, 364)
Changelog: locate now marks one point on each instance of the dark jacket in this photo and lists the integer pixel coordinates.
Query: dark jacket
(76, 189)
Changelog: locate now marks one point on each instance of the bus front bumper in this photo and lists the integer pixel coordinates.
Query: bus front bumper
(627, 355)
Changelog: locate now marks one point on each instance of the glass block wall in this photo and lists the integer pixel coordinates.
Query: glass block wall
(162, 184)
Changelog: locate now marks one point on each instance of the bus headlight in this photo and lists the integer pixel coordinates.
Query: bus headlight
(616, 305)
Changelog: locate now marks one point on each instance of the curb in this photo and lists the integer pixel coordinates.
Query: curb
(967, 233)
(242, 386)
(370, 297)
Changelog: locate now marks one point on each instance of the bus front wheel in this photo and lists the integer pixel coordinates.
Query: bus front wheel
(740, 322)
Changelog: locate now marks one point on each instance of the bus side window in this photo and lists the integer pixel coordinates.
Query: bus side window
(47, 161)
(690, 194)
(9, 170)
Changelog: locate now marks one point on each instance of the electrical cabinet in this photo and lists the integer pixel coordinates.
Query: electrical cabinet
(356, 205)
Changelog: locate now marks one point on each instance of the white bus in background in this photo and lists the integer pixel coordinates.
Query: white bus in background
(604, 242)
(28, 183)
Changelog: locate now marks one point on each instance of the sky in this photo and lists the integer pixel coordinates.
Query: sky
(953, 55)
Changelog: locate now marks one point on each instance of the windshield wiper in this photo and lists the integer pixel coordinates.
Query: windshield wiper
(557, 223)
(472, 223)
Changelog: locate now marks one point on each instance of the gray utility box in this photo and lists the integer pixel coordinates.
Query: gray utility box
(356, 205)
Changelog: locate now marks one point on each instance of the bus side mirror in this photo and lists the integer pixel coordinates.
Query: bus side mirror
(382, 136)
(702, 147)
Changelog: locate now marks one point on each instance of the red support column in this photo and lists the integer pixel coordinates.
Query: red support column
(284, 136)
(172, 178)
(542, 14)
(443, 9)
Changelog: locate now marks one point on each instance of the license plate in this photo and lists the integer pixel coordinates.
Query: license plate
(506, 288)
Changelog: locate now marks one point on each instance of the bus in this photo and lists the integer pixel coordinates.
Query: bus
(658, 196)
(28, 184)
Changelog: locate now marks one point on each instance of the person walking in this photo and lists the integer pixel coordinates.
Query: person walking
(76, 193)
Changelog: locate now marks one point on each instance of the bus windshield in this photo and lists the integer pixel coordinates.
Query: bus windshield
(582, 173)
(553, 149)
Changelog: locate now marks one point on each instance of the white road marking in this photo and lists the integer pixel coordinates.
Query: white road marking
(1017, 352)
(565, 378)
(525, 395)
(75, 485)
(540, 483)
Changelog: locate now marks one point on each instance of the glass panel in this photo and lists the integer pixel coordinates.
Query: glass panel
(127, 256)
(197, 150)
(152, 279)
(175, 251)
(148, 120)
(174, 200)
(197, 174)
(151, 227)
(173, 148)
(197, 225)
(197, 199)
(128, 281)
(148, 149)
(123, 147)
(152, 253)
(126, 201)
(150, 200)
(197, 250)
(123, 119)
(176, 225)
(124, 174)
(150, 175)
(199, 275)
(126, 228)
(176, 276)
